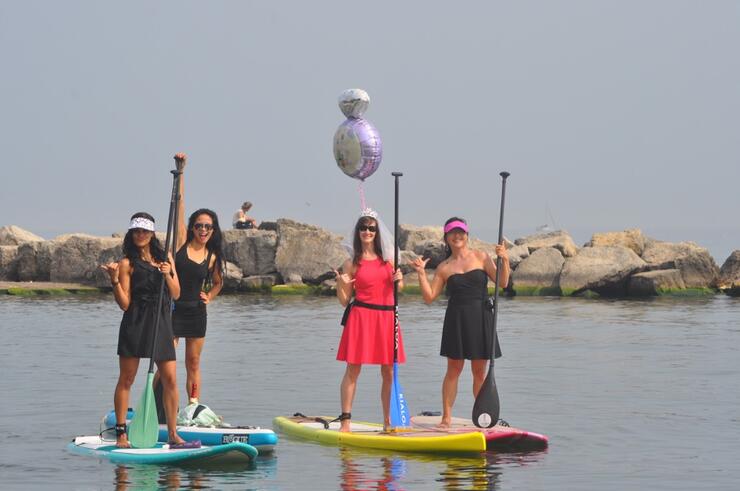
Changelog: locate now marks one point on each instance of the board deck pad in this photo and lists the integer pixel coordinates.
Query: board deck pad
(497, 437)
(371, 435)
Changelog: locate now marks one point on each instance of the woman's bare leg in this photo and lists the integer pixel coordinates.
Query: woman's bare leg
(126, 375)
(347, 391)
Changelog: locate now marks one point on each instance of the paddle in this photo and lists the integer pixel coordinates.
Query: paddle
(486, 409)
(399, 409)
(144, 428)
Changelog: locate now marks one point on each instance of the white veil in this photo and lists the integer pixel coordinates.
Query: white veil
(386, 237)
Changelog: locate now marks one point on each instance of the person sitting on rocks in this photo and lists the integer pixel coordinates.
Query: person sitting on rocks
(243, 221)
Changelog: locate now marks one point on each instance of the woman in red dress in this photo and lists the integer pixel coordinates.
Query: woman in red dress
(368, 319)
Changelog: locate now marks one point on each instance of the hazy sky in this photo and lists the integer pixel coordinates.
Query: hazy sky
(608, 114)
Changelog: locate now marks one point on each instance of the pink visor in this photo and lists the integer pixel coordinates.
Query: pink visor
(456, 224)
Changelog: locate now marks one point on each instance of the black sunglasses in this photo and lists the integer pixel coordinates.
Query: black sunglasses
(204, 226)
(367, 228)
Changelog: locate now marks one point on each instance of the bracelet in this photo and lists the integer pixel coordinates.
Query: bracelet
(114, 284)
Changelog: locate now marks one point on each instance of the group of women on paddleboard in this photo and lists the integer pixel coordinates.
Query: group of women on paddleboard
(368, 322)
(365, 286)
(192, 278)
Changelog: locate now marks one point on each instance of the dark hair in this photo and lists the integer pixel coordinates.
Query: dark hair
(357, 244)
(215, 243)
(130, 250)
(448, 251)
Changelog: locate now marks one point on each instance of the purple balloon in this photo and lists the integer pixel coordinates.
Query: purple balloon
(357, 148)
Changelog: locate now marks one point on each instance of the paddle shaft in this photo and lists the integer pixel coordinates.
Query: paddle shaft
(396, 175)
(486, 408)
(503, 175)
(171, 230)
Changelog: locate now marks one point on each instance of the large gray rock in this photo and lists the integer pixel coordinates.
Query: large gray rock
(8, 263)
(559, 239)
(233, 277)
(257, 282)
(409, 236)
(651, 283)
(729, 273)
(540, 270)
(14, 235)
(603, 269)
(76, 258)
(632, 239)
(307, 250)
(34, 260)
(697, 266)
(252, 250)
(517, 254)
(433, 249)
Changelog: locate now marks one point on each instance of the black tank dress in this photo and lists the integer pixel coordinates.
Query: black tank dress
(190, 316)
(136, 333)
(468, 323)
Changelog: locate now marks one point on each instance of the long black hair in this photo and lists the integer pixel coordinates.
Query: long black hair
(130, 250)
(357, 244)
(448, 251)
(215, 243)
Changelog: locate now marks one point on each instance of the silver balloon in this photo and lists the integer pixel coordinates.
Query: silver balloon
(357, 148)
(354, 102)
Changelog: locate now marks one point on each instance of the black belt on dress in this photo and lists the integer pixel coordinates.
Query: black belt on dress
(357, 303)
(486, 301)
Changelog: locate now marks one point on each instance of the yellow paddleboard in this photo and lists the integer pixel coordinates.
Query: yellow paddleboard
(371, 435)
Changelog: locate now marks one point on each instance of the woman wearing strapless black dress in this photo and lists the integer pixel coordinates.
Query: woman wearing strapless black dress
(468, 324)
(136, 281)
(199, 262)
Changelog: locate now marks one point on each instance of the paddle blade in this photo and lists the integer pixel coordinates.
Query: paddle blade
(486, 408)
(400, 416)
(144, 428)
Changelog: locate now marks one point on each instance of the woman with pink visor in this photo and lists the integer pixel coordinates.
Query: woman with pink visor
(468, 323)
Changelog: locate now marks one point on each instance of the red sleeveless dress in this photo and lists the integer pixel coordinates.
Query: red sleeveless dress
(368, 333)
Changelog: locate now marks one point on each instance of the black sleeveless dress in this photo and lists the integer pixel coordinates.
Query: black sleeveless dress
(136, 334)
(468, 323)
(190, 316)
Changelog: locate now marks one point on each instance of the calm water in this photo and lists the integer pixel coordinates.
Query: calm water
(633, 394)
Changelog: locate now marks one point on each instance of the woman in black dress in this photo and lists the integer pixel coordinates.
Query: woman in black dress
(468, 324)
(199, 262)
(136, 281)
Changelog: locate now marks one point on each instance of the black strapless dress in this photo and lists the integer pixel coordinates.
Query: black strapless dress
(136, 333)
(468, 323)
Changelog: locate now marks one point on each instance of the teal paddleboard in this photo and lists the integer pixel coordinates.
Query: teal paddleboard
(263, 439)
(229, 453)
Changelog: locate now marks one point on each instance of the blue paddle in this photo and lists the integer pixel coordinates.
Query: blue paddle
(144, 428)
(399, 409)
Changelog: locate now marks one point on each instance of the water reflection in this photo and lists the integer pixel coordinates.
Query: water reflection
(363, 469)
(130, 477)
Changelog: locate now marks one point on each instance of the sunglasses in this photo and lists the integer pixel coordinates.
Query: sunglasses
(141, 231)
(204, 226)
(367, 228)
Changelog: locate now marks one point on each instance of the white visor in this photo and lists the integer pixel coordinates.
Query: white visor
(141, 222)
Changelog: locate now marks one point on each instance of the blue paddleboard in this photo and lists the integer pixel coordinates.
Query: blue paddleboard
(263, 439)
(230, 453)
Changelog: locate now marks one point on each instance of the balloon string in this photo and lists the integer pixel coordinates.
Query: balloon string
(362, 196)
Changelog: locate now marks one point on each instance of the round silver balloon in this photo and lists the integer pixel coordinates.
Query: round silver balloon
(354, 102)
(357, 148)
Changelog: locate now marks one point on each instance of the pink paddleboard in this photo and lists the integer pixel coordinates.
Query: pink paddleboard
(497, 438)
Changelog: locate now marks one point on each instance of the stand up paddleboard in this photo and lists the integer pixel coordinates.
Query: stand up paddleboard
(371, 435)
(498, 437)
(263, 439)
(230, 453)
